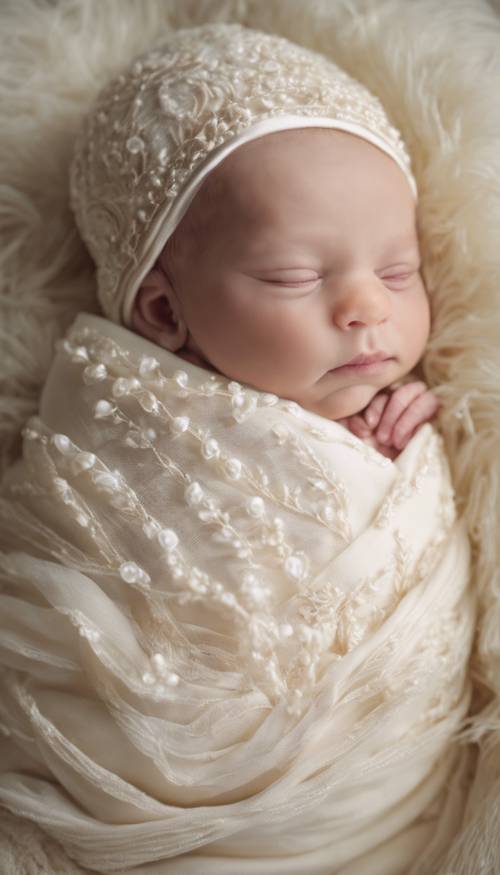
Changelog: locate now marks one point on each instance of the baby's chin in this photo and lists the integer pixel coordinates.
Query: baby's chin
(342, 403)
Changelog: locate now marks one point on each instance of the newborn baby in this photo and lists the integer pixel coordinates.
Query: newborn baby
(238, 636)
(297, 270)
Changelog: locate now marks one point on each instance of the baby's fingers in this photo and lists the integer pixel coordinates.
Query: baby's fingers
(357, 425)
(402, 398)
(375, 408)
(422, 410)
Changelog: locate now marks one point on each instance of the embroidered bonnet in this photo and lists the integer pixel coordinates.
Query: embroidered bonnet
(157, 131)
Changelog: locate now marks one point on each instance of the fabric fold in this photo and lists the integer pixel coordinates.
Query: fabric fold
(234, 637)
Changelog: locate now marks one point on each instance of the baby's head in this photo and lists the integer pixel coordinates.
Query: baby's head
(282, 252)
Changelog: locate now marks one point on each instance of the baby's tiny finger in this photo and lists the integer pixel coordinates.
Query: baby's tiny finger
(422, 410)
(402, 398)
(375, 409)
(358, 426)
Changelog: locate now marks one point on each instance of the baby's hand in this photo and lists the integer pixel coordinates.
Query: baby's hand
(392, 417)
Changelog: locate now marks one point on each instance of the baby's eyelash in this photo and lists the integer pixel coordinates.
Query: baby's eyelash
(398, 277)
(395, 278)
(294, 283)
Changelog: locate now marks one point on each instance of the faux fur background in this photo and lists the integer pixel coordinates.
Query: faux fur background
(435, 64)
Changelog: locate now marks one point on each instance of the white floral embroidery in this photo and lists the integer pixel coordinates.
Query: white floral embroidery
(277, 601)
(154, 126)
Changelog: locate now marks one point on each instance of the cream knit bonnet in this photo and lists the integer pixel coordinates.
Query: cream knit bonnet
(158, 130)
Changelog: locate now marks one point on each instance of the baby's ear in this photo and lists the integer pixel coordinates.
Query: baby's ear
(156, 313)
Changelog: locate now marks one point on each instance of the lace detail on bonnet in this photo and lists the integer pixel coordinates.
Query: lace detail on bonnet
(158, 129)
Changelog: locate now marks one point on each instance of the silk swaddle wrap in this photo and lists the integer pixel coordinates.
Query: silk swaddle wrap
(231, 630)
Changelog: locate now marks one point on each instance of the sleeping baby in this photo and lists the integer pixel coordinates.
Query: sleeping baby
(232, 510)
(296, 270)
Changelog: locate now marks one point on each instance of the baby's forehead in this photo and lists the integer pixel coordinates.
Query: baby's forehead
(292, 163)
(295, 144)
(230, 182)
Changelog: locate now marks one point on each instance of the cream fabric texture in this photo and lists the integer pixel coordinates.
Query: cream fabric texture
(229, 629)
(161, 127)
(436, 69)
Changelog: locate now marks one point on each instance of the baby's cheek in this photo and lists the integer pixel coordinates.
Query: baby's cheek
(273, 327)
(238, 340)
(424, 314)
(415, 329)
(299, 345)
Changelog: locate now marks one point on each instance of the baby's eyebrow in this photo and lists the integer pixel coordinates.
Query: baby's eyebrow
(401, 251)
(405, 243)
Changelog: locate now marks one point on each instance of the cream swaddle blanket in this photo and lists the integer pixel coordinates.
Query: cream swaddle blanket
(232, 631)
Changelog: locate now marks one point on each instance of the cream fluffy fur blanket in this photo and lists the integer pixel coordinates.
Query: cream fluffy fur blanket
(436, 68)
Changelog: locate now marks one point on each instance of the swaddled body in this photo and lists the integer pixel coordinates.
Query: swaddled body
(256, 626)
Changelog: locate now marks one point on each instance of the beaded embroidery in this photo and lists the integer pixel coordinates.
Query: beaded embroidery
(286, 648)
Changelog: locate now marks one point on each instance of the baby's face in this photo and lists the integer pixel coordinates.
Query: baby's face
(311, 260)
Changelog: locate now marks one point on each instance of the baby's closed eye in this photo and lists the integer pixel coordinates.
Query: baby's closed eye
(293, 278)
(398, 276)
(290, 284)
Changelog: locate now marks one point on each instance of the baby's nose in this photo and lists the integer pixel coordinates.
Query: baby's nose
(366, 303)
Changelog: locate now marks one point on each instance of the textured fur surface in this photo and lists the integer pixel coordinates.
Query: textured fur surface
(436, 68)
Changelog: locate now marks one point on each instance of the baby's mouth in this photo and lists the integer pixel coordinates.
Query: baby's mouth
(365, 364)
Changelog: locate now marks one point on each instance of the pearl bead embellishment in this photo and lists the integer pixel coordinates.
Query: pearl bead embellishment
(152, 131)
